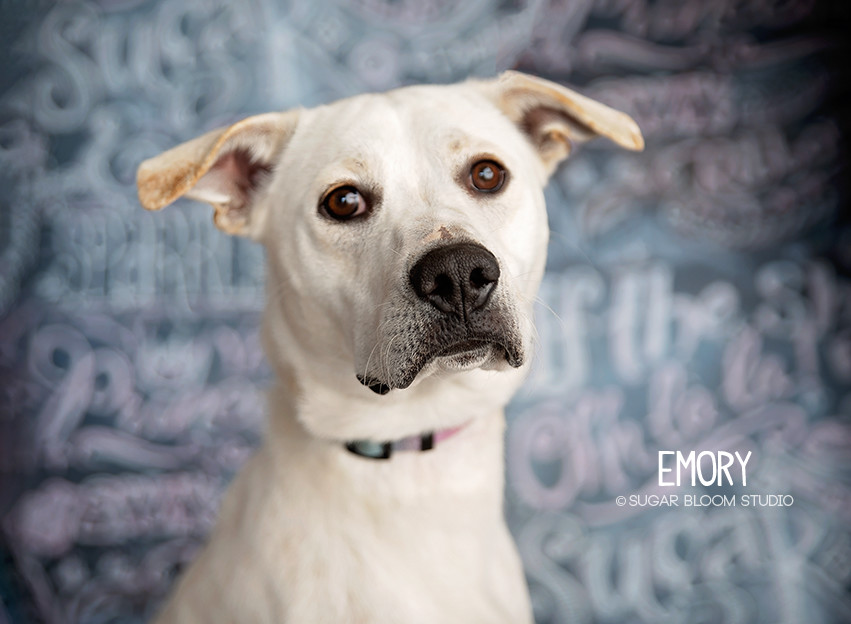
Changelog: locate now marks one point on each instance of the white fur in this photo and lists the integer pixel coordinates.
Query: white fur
(310, 533)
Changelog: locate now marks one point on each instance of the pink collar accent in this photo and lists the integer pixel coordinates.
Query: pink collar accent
(384, 450)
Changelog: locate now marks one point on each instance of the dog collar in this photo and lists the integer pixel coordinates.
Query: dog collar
(384, 450)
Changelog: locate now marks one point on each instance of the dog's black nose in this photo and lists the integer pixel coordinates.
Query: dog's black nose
(456, 279)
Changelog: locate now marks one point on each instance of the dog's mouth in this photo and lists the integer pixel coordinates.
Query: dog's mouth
(460, 355)
(463, 346)
(469, 352)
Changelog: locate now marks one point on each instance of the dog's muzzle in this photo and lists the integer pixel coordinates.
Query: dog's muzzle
(457, 317)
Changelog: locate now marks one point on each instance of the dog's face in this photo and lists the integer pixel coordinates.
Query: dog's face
(420, 235)
(406, 235)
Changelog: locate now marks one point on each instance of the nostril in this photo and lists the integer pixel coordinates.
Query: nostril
(478, 278)
(442, 292)
(443, 286)
(482, 283)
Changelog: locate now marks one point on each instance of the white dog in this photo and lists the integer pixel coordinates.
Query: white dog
(406, 235)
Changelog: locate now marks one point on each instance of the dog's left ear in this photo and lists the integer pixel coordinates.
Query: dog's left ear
(225, 168)
(555, 118)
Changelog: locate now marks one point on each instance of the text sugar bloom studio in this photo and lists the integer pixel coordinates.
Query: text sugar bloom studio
(706, 500)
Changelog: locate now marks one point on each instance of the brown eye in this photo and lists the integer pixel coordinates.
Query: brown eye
(487, 176)
(344, 203)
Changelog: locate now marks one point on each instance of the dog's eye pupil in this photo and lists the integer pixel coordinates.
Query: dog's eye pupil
(487, 176)
(344, 202)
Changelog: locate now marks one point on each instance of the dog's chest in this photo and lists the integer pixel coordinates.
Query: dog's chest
(349, 558)
(418, 574)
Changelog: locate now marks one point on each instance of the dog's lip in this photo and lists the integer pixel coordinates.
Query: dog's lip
(469, 344)
(464, 346)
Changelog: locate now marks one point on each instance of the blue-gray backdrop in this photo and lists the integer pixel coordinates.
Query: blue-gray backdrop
(697, 297)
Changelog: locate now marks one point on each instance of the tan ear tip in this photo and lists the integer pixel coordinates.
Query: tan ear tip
(637, 141)
(155, 188)
(145, 187)
(633, 139)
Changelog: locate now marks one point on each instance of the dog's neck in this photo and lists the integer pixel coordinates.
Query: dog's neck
(466, 466)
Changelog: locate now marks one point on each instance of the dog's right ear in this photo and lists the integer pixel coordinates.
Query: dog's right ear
(225, 168)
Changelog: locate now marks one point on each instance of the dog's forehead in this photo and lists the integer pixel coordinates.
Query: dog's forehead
(441, 117)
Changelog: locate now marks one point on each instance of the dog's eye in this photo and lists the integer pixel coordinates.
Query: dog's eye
(487, 176)
(344, 203)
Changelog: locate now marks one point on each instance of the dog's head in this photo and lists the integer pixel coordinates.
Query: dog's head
(405, 233)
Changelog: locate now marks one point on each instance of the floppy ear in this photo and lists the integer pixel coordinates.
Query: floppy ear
(225, 167)
(556, 118)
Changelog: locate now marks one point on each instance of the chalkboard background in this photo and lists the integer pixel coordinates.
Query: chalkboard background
(697, 294)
